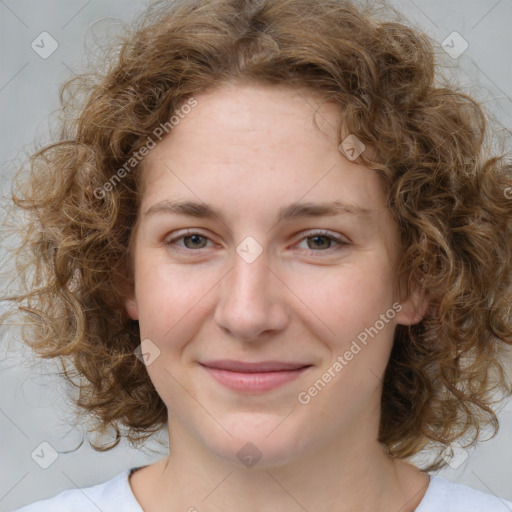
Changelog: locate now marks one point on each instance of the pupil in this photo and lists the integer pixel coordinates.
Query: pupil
(194, 239)
(318, 237)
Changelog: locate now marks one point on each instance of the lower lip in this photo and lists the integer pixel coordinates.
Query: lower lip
(256, 382)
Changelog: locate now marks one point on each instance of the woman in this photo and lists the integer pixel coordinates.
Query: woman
(180, 266)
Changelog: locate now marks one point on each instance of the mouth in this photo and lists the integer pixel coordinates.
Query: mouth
(254, 377)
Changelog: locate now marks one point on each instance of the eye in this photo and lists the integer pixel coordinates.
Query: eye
(321, 242)
(191, 240)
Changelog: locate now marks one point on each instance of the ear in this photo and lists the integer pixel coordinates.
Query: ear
(130, 304)
(126, 287)
(414, 307)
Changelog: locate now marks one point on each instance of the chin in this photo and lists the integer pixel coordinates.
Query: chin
(260, 444)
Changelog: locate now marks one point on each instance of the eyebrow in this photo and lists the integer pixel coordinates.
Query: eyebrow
(287, 213)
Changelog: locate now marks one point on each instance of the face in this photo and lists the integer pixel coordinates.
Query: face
(259, 280)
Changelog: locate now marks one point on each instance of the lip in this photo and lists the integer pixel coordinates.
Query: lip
(254, 377)
(248, 367)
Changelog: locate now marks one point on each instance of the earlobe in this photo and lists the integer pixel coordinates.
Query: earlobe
(130, 305)
(126, 286)
(413, 309)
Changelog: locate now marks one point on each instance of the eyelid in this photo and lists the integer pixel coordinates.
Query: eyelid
(186, 233)
(340, 240)
(323, 232)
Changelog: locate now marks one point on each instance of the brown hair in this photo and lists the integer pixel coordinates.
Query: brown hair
(448, 198)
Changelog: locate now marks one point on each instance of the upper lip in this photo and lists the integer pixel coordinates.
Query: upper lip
(263, 366)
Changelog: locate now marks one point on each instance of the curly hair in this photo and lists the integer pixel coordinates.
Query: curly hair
(447, 193)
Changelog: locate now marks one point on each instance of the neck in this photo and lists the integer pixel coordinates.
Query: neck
(352, 474)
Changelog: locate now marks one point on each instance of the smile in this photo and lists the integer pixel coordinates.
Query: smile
(254, 381)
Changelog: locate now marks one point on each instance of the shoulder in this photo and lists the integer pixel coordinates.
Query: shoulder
(445, 496)
(110, 496)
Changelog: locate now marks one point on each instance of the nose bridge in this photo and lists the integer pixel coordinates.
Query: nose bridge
(250, 301)
(249, 282)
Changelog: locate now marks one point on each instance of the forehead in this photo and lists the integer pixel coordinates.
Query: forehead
(244, 119)
(258, 137)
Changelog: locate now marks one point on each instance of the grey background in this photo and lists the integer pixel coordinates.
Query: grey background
(32, 409)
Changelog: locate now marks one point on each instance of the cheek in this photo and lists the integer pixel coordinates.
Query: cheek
(350, 302)
(359, 310)
(347, 299)
(170, 299)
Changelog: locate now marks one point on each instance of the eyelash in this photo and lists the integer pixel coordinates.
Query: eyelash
(341, 243)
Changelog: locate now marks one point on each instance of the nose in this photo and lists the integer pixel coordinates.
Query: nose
(252, 301)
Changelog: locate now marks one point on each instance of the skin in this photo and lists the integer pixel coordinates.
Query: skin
(249, 150)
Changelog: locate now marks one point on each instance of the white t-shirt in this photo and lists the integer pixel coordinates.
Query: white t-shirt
(115, 495)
